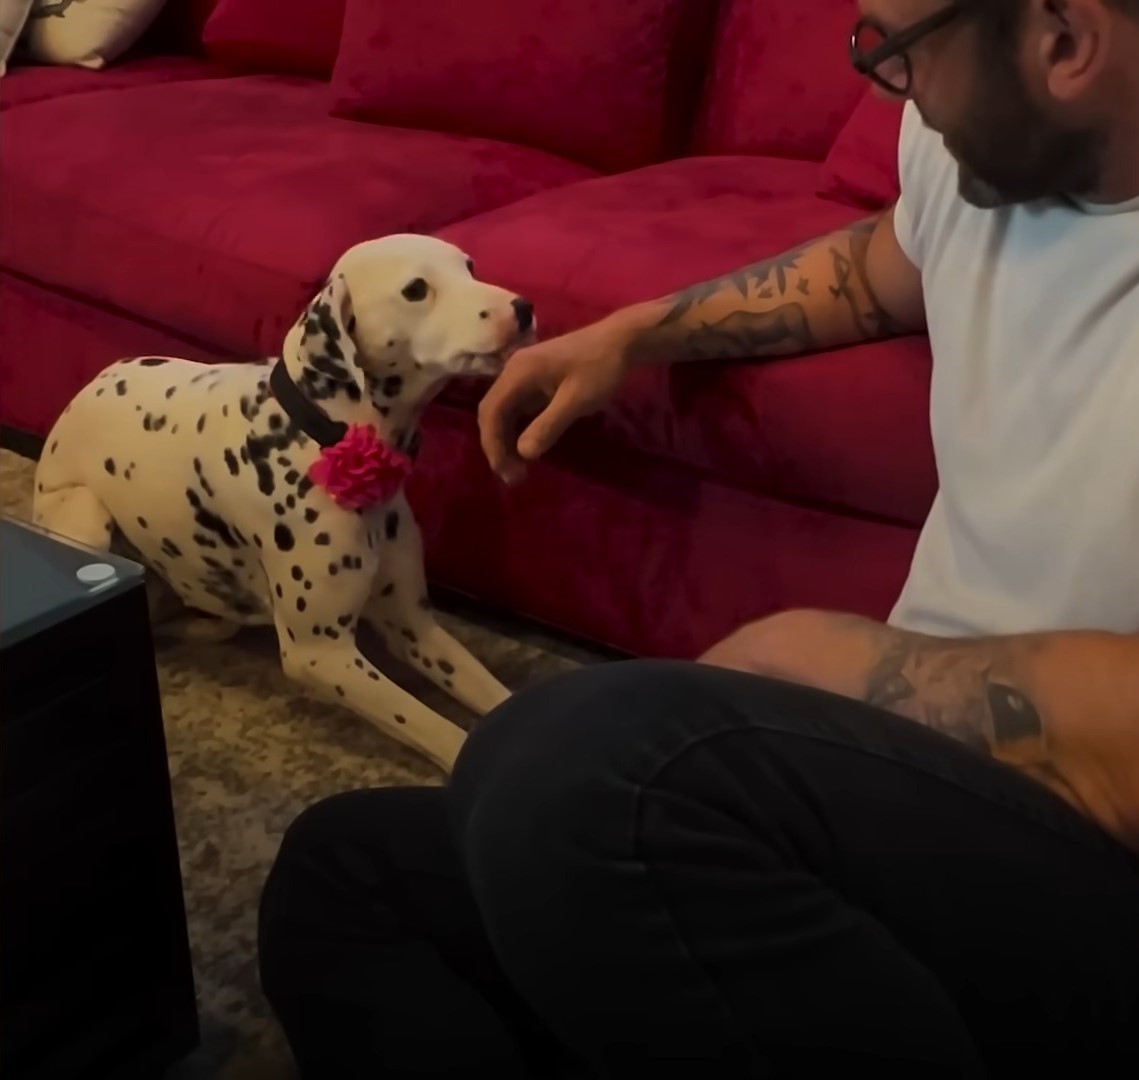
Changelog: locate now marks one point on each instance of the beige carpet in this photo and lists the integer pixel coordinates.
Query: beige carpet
(247, 754)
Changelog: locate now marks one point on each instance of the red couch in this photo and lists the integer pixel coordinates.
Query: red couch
(188, 199)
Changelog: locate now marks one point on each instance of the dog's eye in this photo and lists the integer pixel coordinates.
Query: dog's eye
(415, 290)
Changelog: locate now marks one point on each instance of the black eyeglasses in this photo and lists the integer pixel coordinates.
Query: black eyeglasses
(883, 56)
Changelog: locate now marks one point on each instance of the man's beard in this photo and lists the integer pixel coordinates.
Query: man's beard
(1011, 152)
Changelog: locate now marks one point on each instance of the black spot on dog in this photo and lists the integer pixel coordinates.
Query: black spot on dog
(174, 430)
(244, 456)
(399, 719)
(121, 387)
(284, 462)
(278, 509)
(109, 465)
(193, 498)
(54, 446)
(391, 524)
(446, 667)
(357, 562)
(279, 591)
(225, 410)
(257, 540)
(142, 523)
(297, 573)
(392, 386)
(283, 537)
(170, 392)
(448, 684)
(311, 515)
(201, 425)
(322, 539)
(333, 569)
(290, 502)
(308, 585)
(410, 635)
(350, 326)
(385, 410)
(304, 487)
(204, 541)
(276, 422)
(292, 476)
(170, 548)
(231, 462)
(246, 406)
(292, 636)
(329, 632)
(353, 392)
(414, 654)
(301, 603)
(316, 630)
(99, 392)
(374, 676)
(212, 563)
(340, 690)
(211, 522)
(388, 589)
(152, 361)
(426, 662)
(345, 620)
(346, 562)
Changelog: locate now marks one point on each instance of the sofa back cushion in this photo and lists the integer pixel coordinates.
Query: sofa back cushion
(596, 81)
(780, 80)
(288, 37)
(862, 166)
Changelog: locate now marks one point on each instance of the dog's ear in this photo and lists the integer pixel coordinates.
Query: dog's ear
(323, 341)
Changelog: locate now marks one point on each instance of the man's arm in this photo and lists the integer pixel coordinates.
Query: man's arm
(1063, 708)
(852, 286)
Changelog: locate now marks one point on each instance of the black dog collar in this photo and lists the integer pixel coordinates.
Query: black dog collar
(310, 418)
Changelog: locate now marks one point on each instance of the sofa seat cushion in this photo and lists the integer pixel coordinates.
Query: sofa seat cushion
(214, 208)
(847, 429)
(33, 83)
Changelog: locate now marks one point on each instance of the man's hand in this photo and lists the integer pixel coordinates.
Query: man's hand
(553, 384)
(1062, 708)
(852, 286)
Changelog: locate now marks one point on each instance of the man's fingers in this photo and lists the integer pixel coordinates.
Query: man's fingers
(549, 426)
(497, 418)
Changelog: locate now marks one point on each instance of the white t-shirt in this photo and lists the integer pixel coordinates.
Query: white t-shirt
(1034, 322)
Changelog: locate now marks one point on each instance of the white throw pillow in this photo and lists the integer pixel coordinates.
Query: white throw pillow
(86, 33)
(13, 15)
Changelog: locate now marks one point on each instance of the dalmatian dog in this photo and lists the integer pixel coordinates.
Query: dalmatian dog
(204, 472)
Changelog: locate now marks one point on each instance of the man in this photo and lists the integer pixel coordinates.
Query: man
(912, 846)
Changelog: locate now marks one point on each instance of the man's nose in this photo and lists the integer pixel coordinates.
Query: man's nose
(524, 313)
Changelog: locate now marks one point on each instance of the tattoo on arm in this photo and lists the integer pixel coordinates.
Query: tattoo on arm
(969, 691)
(790, 303)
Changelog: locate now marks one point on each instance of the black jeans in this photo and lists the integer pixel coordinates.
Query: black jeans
(648, 869)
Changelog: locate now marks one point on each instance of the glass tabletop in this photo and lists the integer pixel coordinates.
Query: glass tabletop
(46, 579)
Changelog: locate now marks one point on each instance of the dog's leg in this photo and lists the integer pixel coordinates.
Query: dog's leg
(399, 610)
(75, 513)
(316, 615)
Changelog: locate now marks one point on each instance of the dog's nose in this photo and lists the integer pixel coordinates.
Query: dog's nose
(524, 313)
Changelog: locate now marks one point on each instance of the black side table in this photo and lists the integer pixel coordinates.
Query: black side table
(95, 973)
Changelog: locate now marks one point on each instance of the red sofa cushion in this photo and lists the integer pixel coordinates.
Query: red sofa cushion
(781, 82)
(845, 429)
(290, 37)
(593, 81)
(213, 208)
(862, 167)
(27, 85)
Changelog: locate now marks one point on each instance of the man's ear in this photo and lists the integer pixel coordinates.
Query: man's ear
(322, 340)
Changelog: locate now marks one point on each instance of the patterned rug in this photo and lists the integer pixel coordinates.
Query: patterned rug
(247, 754)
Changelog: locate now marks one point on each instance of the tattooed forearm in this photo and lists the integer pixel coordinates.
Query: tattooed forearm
(815, 296)
(969, 690)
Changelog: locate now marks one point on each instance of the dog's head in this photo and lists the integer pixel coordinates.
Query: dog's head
(409, 303)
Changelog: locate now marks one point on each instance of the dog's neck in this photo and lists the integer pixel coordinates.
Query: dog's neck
(392, 404)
